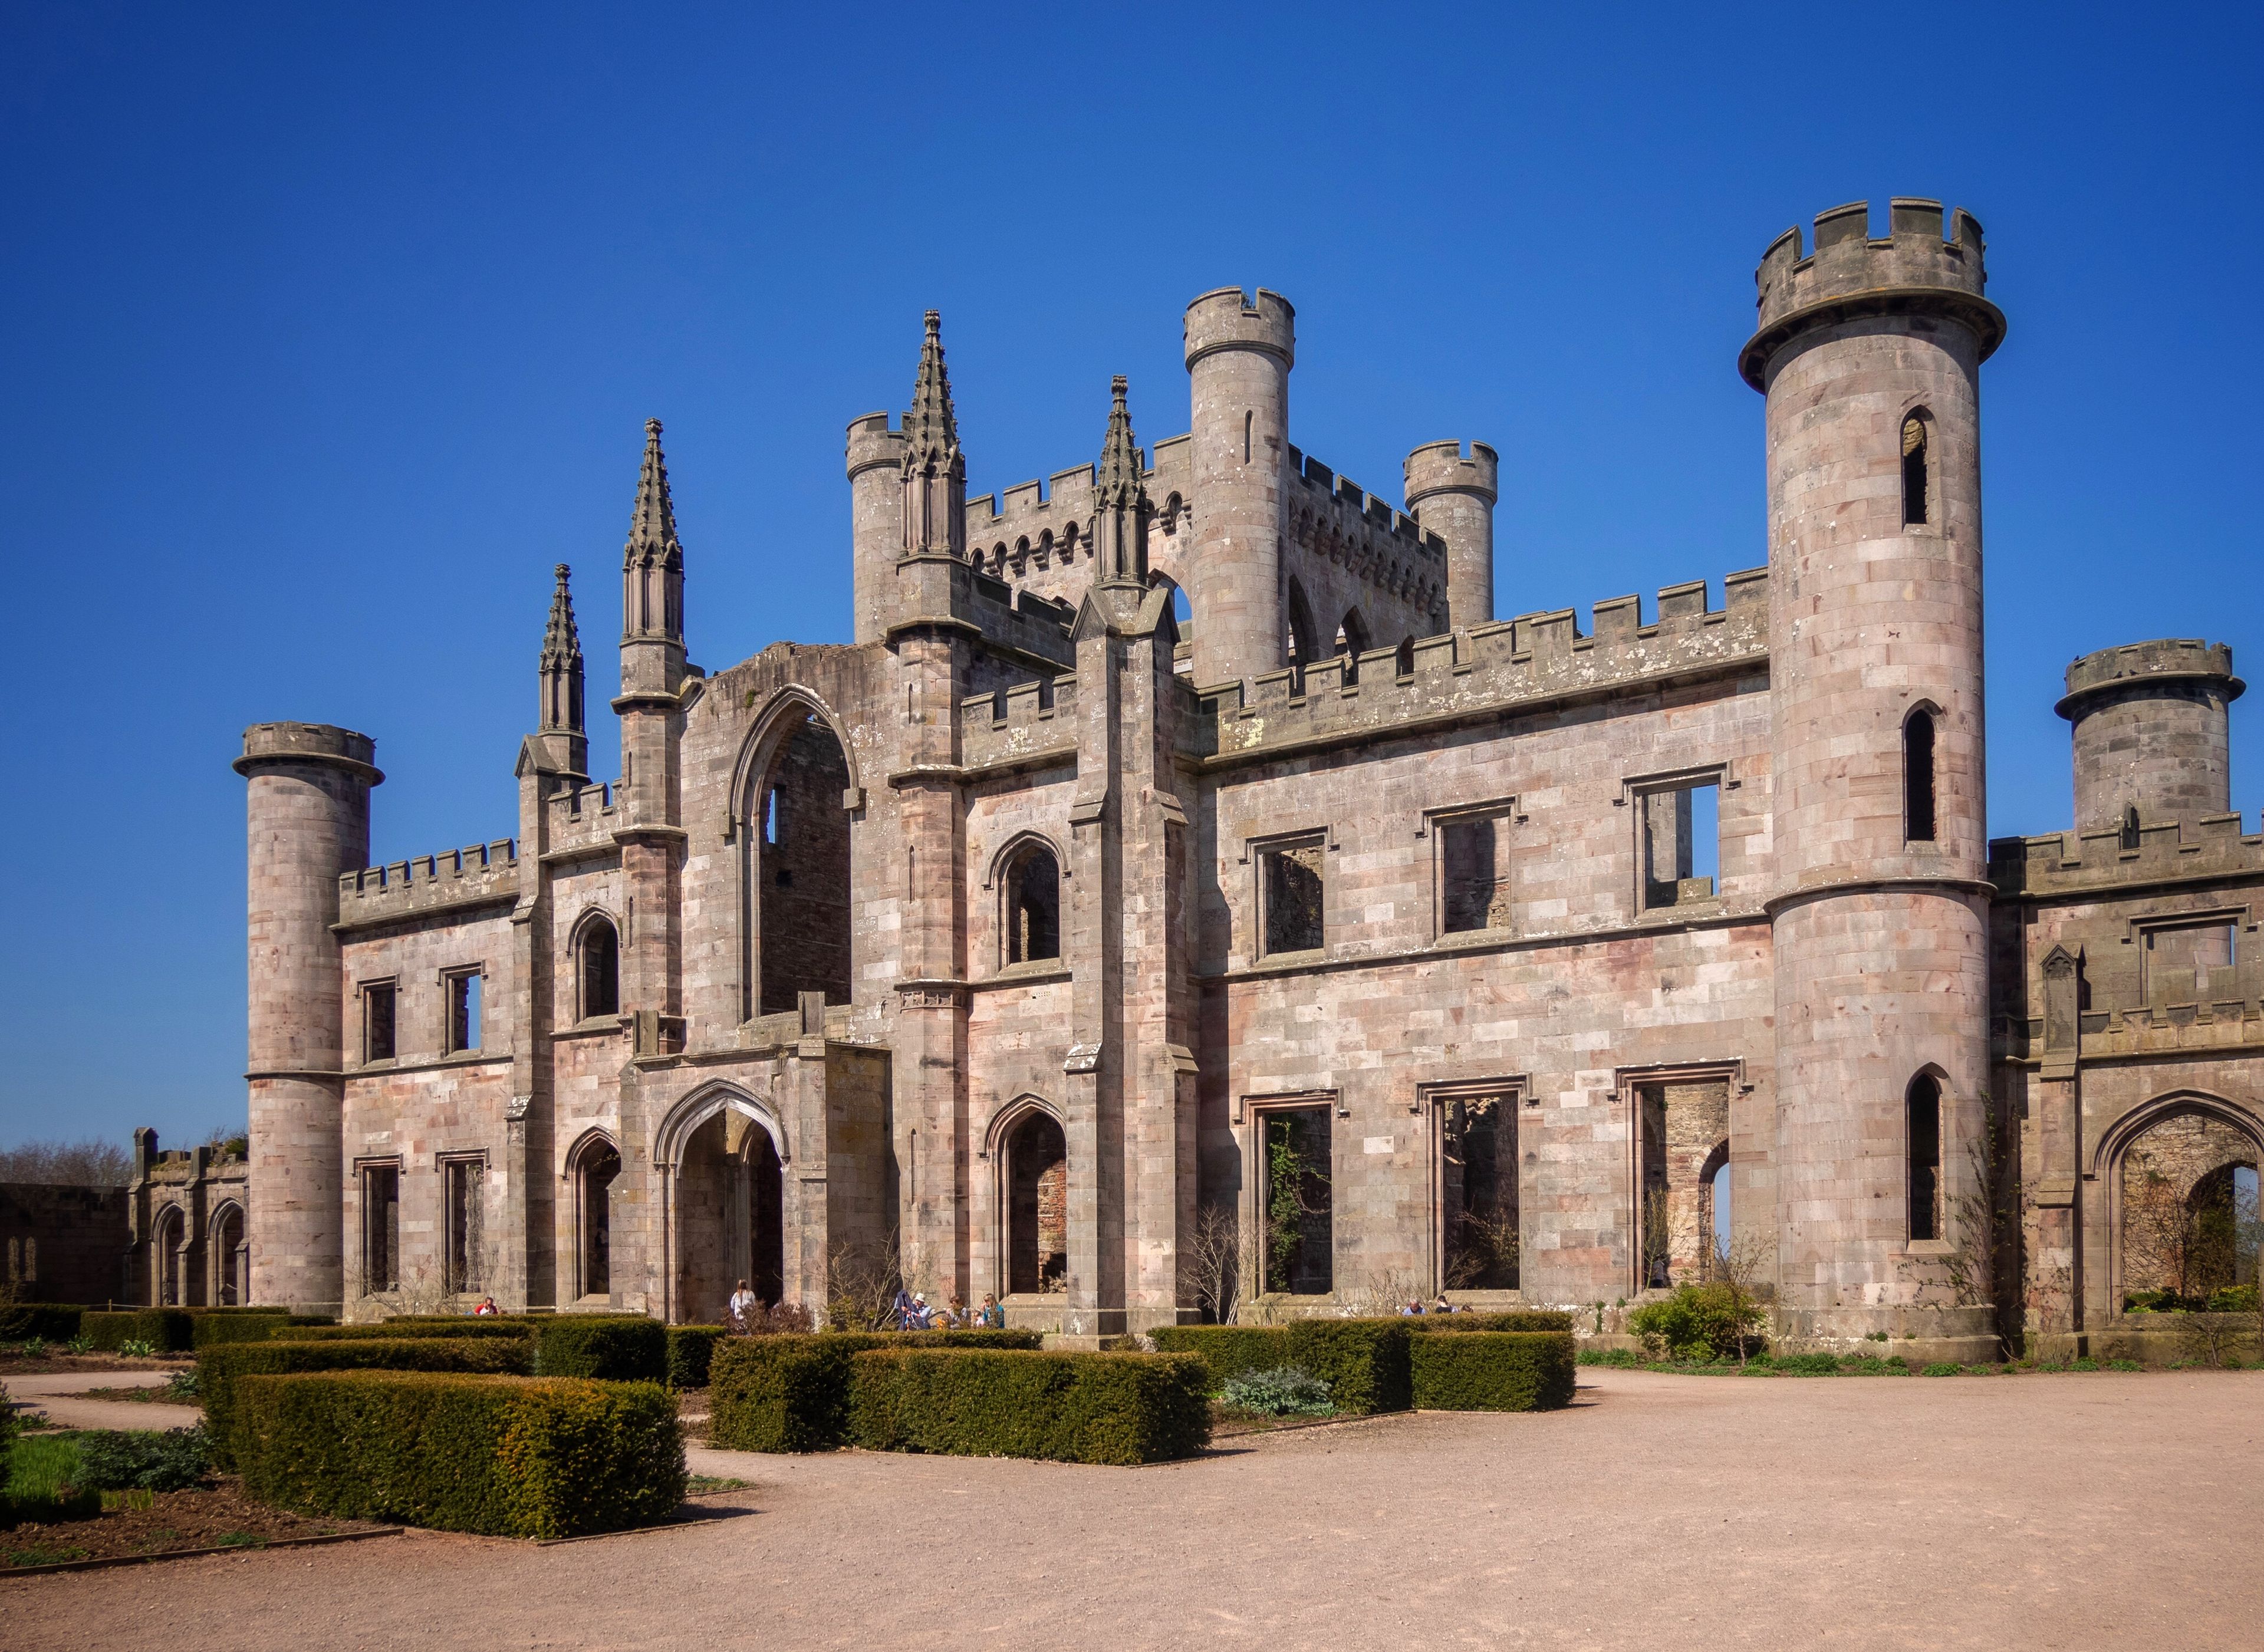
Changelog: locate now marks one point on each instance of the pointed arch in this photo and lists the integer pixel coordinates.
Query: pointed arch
(1010, 1117)
(781, 719)
(1353, 629)
(2117, 1139)
(225, 1227)
(1303, 643)
(704, 1102)
(594, 945)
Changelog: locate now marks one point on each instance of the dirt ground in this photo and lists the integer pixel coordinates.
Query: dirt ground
(2086, 1511)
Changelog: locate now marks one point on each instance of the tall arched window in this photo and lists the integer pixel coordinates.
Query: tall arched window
(1031, 888)
(1924, 1139)
(599, 966)
(1916, 432)
(1918, 777)
(597, 1164)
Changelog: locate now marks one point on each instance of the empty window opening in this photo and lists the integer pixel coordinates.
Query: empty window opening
(1033, 892)
(1681, 843)
(463, 1196)
(1037, 1207)
(165, 1247)
(1406, 662)
(1290, 896)
(1719, 1186)
(2128, 839)
(1925, 1149)
(2190, 963)
(380, 1228)
(729, 1205)
(1683, 1126)
(228, 1260)
(599, 1166)
(800, 870)
(377, 1034)
(601, 969)
(1473, 874)
(2189, 1222)
(1915, 430)
(1918, 777)
(1248, 420)
(1478, 1192)
(1302, 641)
(1352, 642)
(463, 989)
(1296, 1189)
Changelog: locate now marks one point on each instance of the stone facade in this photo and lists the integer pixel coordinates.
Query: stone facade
(1175, 813)
(63, 1243)
(190, 1213)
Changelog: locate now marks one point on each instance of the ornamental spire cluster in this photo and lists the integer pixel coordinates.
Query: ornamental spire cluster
(930, 428)
(1119, 485)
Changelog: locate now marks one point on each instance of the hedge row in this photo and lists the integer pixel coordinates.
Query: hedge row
(613, 1350)
(220, 1370)
(1518, 1319)
(506, 1456)
(1076, 1408)
(396, 1329)
(40, 1321)
(1369, 1363)
(179, 1331)
(1492, 1371)
(690, 1350)
(792, 1393)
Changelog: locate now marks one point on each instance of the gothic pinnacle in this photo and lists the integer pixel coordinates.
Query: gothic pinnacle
(562, 639)
(1119, 485)
(652, 526)
(930, 428)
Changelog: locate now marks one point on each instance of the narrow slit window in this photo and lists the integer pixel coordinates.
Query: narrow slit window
(1247, 420)
(1925, 1137)
(465, 1182)
(380, 1228)
(1918, 777)
(2129, 837)
(1914, 471)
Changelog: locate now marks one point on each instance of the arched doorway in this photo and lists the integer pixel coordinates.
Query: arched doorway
(729, 1204)
(1037, 1204)
(2185, 1217)
(165, 1257)
(596, 1167)
(226, 1244)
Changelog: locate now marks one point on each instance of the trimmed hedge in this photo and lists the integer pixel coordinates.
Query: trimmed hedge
(210, 1331)
(791, 1393)
(394, 1329)
(1364, 1361)
(1230, 1351)
(40, 1321)
(505, 1456)
(1493, 1371)
(166, 1329)
(220, 1370)
(690, 1349)
(1520, 1319)
(613, 1350)
(1073, 1408)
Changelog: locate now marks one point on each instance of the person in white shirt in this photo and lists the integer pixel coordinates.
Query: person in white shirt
(744, 1302)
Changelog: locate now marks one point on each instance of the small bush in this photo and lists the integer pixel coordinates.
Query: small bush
(1493, 1371)
(2232, 1298)
(2124, 1365)
(220, 1369)
(394, 1329)
(1078, 1407)
(690, 1349)
(1286, 1392)
(47, 1480)
(142, 1459)
(38, 1322)
(1364, 1361)
(1699, 1322)
(135, 1348)
(1808, 1365)
(791, 1393)
(1618, 1358)
(610, 1349)
(1229, 1350)
(508, 1456)
(181, 1387)
(1943, 1369)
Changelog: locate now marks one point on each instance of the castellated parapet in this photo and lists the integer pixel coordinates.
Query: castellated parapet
(478, 875)
(1226, 318)
(2151, 732)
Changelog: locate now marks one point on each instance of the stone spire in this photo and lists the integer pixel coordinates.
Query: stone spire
(1120, 498)
(561, 661)
(652, 562)
(935, 469)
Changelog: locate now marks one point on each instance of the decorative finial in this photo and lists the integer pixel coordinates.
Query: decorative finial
(1117, 387)
(652, 427)
(561, 571)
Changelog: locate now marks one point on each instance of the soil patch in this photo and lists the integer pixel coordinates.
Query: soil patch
(219, 1515)
(148, 1394)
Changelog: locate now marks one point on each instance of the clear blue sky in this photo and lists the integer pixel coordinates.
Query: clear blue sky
(325, 332)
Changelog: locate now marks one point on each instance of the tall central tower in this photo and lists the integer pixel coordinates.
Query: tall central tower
(1869, 352)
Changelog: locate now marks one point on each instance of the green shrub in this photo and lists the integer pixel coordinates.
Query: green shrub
(1619, 1359)
(163, 1330)
(1078, 1407)
(790, 1393)
(1364, 1361)
(1808, 1365)
(394, 1329)
(1493, 1371)
(1287, 1391)
(220, 1369)
(1715, 1321)
(507, 1456)
(690, 1349)
(1520, 1319)
(2232, 1298)
(2124, 1365)
(47, 1482)
(615, 1349)
(1943, 1368)
(38, 1322)
(210, 1329)
(143, 1460)
(1230, 1351)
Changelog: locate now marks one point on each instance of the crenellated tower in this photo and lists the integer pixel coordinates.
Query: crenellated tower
(1451, 494)
(1238, 355)
(563, 744)
(1869, 352)
(875, 456)
(2152, 734)
(1120, 501)
(308, 817)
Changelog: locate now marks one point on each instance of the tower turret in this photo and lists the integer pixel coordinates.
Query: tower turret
(1120, 500)
(1869, 352)
(1451, 494)
(564, 745)
(308, 819)
(2150, 733)
(1238, 355)
(876, 522)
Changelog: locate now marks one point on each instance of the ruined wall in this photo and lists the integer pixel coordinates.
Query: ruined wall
(64, 1244)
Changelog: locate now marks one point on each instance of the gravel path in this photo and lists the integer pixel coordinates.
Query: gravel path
(43, 1393)
(2083, 1511)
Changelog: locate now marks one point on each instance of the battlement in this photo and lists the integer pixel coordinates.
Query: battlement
(580, 816)
(310, 743)
(1911, 270)
(1226, 318)
(1037, 529)
(1350, 507)
(1533, 657)
(1452, 467)
(479, 873)
(873, 442)
(2095, 863)
(1017, 723)
(2164, 659)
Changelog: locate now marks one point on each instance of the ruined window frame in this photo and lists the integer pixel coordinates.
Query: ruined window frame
(1006, 868)
(364, 1216)
(1936, 1191)
(1258, 851)
(1251, 1116)
(1503, 812)
(1636, 793)
(1928, 490)
(390, 987)
(2140, 932)
(463, 987)
(1627, 1085)
(1432, 1102)
(472, 1277)
(581, 1160)
(585, 931)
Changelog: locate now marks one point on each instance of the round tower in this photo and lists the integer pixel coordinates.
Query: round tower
(308, 822)
(2151, 732)
(1238, 359)
(1870, 354)
(876, 524)
(1451, 494)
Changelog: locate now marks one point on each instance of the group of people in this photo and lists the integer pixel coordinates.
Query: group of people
(910, 1311)
(1439, 1305)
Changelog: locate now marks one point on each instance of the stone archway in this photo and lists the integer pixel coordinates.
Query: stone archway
(729, 1216)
